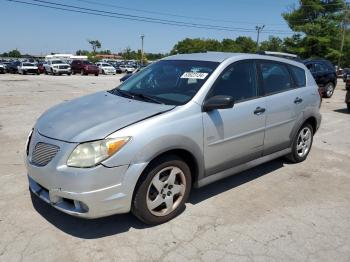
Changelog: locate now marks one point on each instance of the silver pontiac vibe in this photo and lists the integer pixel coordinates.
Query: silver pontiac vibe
(183, 122)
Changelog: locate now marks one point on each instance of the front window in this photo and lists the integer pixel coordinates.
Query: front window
(56, 62)
(172, 82)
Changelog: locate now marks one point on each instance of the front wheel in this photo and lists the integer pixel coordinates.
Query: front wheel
(302, 144)
(329, 90)
(162, 191)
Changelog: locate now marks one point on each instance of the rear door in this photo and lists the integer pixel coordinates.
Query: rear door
(283, 100)
(234, 136)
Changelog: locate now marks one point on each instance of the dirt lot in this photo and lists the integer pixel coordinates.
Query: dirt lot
(275, 212)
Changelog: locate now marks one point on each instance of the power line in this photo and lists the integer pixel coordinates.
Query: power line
(102, 13)
(193, 17)
(147, 18)
(170, 14)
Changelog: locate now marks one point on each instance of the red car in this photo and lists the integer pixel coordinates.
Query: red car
(41, 68)
(84, 67)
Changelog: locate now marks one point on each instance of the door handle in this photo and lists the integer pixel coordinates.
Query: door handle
(259, 110)
(298, 100)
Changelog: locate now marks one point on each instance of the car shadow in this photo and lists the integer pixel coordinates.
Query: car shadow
(201, 194)
(116, 224)
(343, 110)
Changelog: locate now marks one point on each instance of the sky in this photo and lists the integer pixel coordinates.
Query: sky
(38, 30)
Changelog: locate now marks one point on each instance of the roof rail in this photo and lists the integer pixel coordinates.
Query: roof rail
(282, 55)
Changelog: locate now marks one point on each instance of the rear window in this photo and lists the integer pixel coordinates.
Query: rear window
(298, 75)
(276, 77)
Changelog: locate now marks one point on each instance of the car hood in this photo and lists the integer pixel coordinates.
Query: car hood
(60, 64)
(29, 67)
(94, 117)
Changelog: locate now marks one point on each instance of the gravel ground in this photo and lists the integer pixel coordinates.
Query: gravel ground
(274, 212)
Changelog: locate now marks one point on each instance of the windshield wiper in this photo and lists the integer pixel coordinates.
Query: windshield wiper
(146, 97)
(124, 93)
(132, 95)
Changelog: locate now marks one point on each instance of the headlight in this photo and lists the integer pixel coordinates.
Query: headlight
(92, 153)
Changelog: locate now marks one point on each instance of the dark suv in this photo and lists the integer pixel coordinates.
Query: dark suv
(84, 67)
(325, 75)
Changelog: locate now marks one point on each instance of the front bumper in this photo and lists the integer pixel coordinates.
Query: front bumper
(84, 192)
(62, 71)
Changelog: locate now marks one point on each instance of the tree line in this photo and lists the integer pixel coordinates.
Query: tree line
(320, 28)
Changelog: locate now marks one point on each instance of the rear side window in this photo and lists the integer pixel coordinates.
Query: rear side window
(238, 80)
(275, 77)
(298, 75)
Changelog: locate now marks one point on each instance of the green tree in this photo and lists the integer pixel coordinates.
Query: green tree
(82, 52)
(272, 44)
(320, 21)
(245, 44)
(229, 45)
(14, 53)
(95, 44)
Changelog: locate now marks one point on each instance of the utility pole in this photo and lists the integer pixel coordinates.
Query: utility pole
(258, 30)
(142, 37)
(344, 25)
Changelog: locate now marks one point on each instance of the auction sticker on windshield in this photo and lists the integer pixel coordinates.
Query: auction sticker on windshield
(194, 75)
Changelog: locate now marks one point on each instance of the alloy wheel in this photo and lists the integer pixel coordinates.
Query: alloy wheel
(166, 191)
(304, 141)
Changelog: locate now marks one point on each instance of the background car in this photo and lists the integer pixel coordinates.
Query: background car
(41, 67)
(126, 68)
(347, 100)
(2, 69)
(325, 75)
(346, 74)
(84, 67)
(13, 67)
(27, 68)
(127, 76)
(57, 67)
(106, 69)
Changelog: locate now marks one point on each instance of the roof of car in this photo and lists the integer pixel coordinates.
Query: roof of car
(221, 56)
(208, 56)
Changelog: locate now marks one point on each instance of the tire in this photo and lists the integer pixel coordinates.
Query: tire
(302, 144)
(82, 72)
(24, 72)
(329, 90)
(96, 74)
(173, 192)
(69, 74)
(52, 72)
(103, 72)
(73, 72)
(46, 73)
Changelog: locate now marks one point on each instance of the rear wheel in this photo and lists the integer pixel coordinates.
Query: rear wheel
(329, 90)
(302, 144)
(162, 191)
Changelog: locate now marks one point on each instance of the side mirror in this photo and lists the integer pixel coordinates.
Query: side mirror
(218, 102)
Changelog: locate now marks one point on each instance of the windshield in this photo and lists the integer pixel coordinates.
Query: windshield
(28, 64)
(106, 65)
(172, 82)
(86, 63)
(56, 62)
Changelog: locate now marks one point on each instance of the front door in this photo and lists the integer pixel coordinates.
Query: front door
(234, 136)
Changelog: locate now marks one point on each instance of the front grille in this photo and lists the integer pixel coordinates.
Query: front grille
(63, 67)
(43, 153)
